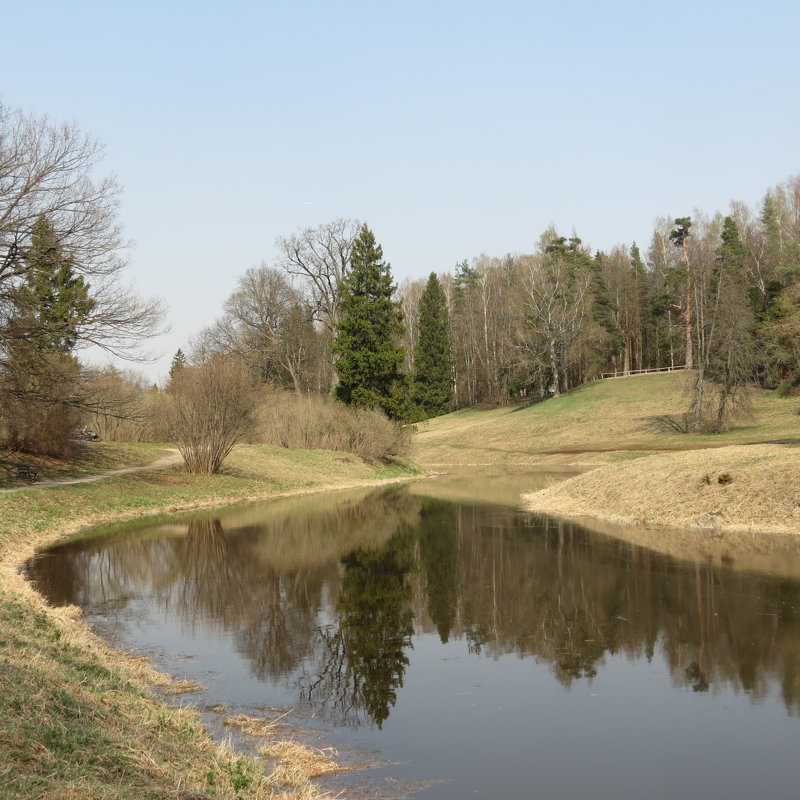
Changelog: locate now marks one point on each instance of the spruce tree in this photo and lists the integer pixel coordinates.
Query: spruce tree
(178, 363)
(53, 301)
(367, 333)
(432, 386)
(40, 373)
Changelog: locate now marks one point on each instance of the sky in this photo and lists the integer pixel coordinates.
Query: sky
(451, 128)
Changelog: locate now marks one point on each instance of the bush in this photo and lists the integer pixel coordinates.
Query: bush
(124, 408)
(317, 422)
(208, 409)
(35, 416)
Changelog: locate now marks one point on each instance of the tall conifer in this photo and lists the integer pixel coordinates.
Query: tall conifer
(432, 387)
(368, 331)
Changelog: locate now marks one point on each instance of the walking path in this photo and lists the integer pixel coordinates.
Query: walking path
(166, 461)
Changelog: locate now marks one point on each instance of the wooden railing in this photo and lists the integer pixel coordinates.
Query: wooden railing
(631, 372)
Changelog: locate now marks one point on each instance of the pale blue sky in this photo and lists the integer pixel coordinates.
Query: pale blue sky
(451, 128)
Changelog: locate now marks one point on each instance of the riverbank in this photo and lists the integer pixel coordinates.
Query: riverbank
(642, 465)
(79, 720)
(744, 488)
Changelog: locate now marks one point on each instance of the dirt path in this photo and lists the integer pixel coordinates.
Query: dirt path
(165, 461)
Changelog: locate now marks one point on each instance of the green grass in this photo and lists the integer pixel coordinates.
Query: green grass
(631, 414)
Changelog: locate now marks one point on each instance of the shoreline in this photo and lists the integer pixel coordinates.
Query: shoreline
(738, 489)
(586, 498)
(49, 639)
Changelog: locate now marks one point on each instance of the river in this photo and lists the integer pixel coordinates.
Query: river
(455, 646)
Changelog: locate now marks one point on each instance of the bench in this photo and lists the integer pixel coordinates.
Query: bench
(27, 473)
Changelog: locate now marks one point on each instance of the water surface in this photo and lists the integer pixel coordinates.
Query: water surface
(467, 648)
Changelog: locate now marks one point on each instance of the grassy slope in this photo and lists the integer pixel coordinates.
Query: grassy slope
(79, 721)
(642, 413)
(615, 426)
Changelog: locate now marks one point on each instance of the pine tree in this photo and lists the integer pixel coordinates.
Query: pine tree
(432, 386)
(369, 327)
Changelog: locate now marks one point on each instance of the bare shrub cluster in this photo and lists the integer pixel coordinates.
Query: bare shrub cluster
(122, 407)
(208, 409)
(317, 422)
(37, 411)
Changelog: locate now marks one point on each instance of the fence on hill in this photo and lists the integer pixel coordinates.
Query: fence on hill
(632, 372)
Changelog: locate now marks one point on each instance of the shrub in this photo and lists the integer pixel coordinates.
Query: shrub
(35, 407)
(317, 422)
(208, 409)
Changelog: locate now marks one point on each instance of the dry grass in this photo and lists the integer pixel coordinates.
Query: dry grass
(741, 487)
(312, 422)
(84, 458)
(644, 468)
(258, 727)
(301, 759)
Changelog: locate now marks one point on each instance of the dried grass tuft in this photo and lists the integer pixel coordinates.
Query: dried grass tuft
(294, 757)
(257, 727)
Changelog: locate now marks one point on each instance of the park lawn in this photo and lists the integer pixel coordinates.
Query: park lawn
(643, 467)
(84, 458)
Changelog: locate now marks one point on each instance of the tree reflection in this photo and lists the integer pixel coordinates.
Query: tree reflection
(439, 554)
(327, 595)
(377, 623)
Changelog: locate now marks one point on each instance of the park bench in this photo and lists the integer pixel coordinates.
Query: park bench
(26, 472)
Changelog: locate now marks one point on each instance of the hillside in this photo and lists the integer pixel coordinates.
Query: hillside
(599, 421)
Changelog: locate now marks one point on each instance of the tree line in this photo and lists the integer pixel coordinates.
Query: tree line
(717, 294)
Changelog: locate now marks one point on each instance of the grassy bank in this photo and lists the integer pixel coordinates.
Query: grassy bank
(81, 721)
(645, 468)
(84, 459)
(740, 487)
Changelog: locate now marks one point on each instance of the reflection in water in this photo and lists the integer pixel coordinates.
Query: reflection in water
(361, 665)
(327, 595)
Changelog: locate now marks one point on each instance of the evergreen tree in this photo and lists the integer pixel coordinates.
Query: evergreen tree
(40, 372)
(369, 327)
(53, 301)
(432, 386)
(178, 363)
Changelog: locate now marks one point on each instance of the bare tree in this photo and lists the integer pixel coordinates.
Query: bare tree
(267, 323)
(320, 257)
(46, 173)
(208, 410)
(556, 298)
